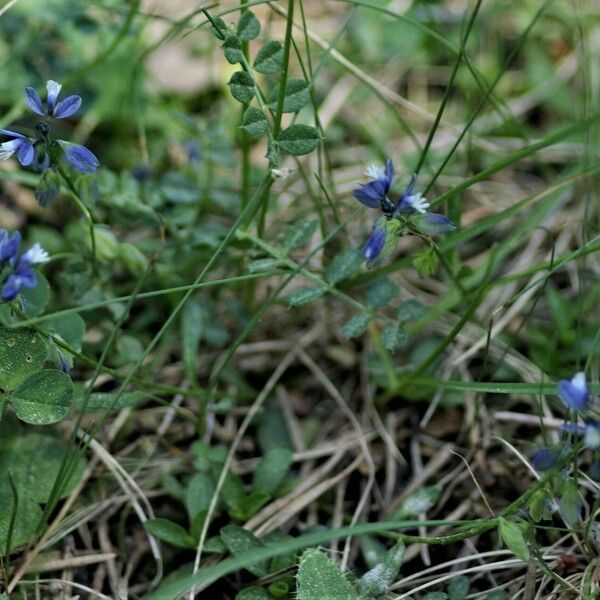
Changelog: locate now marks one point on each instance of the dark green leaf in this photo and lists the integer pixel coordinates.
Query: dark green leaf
(297, 95)
(345, 264)
(253, 593)
(248, 27)
(198, 494)
(70, 328)
(241, 542)
(381, 292)
(299, 139)
(22, 352)
(44, 397)
(269, 58)
(232, 49)
(36, 298)
(305, 295)
(458, 588)
(255, 122)
(356, 326)
(241, 86)
(272, 469)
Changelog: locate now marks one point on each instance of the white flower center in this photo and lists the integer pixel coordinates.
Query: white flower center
(417, 202)
(578, 381)
(37, 255)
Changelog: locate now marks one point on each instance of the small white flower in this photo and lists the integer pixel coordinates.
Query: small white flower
(375, 171)
(36, 255)
(417, 202)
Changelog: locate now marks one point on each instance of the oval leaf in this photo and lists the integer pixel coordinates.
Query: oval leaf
(255, 122)
(269, 58)
(44, 397)
(22, 352)
(241, 86)
(248, 26)
(299, 139)
(297, 95)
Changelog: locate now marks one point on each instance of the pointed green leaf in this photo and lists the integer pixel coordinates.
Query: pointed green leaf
(170, 532)
(272, 469)
(513, 538)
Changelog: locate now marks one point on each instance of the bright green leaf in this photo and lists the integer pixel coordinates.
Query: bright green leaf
(170, 532)
(513, 538)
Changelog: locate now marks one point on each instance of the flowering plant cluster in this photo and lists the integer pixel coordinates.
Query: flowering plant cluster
(16, 272)
(576, 396)
(397, 216)
(43, 152)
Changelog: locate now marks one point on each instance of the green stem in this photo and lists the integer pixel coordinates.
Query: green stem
(285, 68)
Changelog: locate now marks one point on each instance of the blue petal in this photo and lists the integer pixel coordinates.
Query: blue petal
(366, 197)
(9, 246)
(574, 392)
(26, 153)
(11, 288)
(67, 107)
(389, 171)
(12, 134)
(79, 157)
(375, 244)
(34, 102)
(543, 459)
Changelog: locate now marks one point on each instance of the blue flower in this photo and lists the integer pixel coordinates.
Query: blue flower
(61, 110)
(374, 192)
(543, 459)
(375, 243)
(574, 393)
(20, 144)
(79, 157)
(590, 432)
(9, 246)
(21, 274)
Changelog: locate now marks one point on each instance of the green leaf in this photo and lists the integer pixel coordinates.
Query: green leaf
(319, 577)
(425, 262)
(411, 310)
(104, 401)
(198, 494)
(381, 292)
(373, 551)
(272, 469)
(255, 122)
(356, 326)
(418, 502)
(241, 86)
(458, 588)
(299, 234)
(22, 352)
(250, 505)
(381, 576)
(248, 27)
(191, 329)
(570, 503)
(394, 336)
(26, 520)
(44, 397)
(219, 27)
(269, 58)
(36, 298)
(263, 264)
(70, 328)
(253, 593)
(297, 95)
(299, 139)
(345, 264)
(241, 542)
(232, 49)
(170, 532)
(305, 295)
(435, 596)
(513, 538)
(35, 460)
